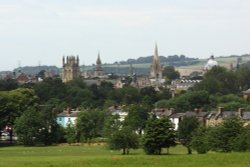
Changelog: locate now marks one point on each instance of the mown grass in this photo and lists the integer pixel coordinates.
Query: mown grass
(99, 156)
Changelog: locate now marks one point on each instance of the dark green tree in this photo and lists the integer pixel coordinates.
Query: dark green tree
(112, 123)
(199, 140)
(124, 139)
(185, 129)
(242, 142)
(50, 88)
(137, 117)
(90, 124)
(187, 101)
(170, 73)
(159, 134)
(243, 77)
(70, 133)
(223, 137)
(29, 127)
(150, 93)
(7, 85)
(13, 103)
(219, 80)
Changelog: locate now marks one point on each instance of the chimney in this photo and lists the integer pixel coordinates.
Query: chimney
(69, 111)
(196, 110)
(172, 111)
(240, 111)
(54, 112)
(220, 110)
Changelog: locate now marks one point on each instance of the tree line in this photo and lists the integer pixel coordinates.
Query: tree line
(32, 108)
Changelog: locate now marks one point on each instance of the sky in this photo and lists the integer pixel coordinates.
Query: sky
(40, 32)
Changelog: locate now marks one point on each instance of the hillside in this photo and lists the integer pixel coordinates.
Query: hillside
(142, 65)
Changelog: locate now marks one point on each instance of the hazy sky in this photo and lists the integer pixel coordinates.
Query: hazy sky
(33, 31)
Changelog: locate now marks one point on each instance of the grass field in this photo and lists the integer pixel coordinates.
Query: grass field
(99, 156)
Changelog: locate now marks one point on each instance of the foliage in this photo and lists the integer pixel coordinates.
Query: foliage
(219, 80)
(137, 117)
(150, 94)
(187, 101)
(124, 139)
(50, 88)
(111, 124)
(90, 124)
(159, 134)
(7, 85)
(170, 73)
(199, 141)
(242, 142)
(70, 133)
(185, 129)
(13, 103)
(243, 77)
(224, 136)
(29, 127)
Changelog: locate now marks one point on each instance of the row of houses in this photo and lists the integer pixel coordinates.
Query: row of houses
(206, 118)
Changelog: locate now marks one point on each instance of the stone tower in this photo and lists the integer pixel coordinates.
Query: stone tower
(156, 69)
(71, 68)
(98, 70)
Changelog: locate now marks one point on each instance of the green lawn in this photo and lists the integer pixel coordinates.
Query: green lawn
(99, 156)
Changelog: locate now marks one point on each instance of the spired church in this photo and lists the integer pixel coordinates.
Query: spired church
(71, 70)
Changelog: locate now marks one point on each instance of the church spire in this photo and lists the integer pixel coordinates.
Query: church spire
(98, 61)
(156, 70)
(156, 56)
(98, 70)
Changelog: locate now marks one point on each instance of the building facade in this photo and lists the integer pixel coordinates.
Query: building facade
(71, 68)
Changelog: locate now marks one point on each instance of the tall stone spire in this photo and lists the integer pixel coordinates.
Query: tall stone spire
(156, 70)
(98, 61)
(98, 70)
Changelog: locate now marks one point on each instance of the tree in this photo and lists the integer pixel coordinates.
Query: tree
(51, 132)
(242, 142)
(187, 101)
(159, 134)
(28, 127)
(150, 93)
(199, 140)
(170, 73)
(185, 129)
(90, 124)
(13, 103)
(124, 139)
(50, 88)
(243, 77)
(223, 137)
(70, 133)
(137, 117)
(112, 124)
(7, 85)
(219, 80)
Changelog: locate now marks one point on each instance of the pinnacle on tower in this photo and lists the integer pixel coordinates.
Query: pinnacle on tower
(98, 61)
(156, 51)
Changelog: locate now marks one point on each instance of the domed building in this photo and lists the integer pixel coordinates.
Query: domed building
(210, 63)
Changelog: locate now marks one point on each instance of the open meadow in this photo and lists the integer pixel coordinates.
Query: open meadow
(99, 156)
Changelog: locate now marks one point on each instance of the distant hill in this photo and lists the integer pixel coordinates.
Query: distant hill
(32, 70)
(142, 64)
(176, 60)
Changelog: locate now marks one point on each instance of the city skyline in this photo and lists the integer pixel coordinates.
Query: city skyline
(41, 32)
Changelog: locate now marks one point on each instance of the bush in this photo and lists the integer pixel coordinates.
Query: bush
(199, 140)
